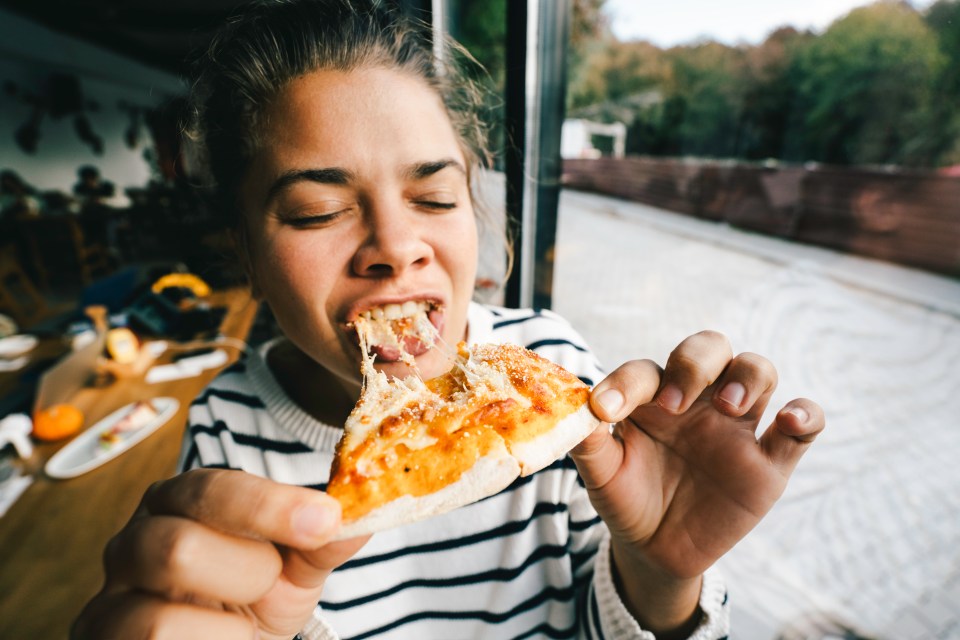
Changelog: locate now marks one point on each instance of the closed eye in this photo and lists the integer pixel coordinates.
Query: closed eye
(433, 204)
(302, 221)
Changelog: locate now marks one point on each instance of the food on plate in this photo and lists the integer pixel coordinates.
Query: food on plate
(57, 422)
(122, 345)
(139, 415)
(413, 448)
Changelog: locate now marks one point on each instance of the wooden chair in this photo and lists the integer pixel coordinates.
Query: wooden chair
(19, 298)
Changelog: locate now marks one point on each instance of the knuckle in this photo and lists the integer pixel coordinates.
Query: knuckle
(178, 549)
(757, 367)
(687, 367)
(637, 375)
(197, 493)
(154, 494)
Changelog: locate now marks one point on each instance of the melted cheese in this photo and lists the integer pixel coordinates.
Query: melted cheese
(410, 437)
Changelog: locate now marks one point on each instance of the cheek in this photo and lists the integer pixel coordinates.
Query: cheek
(461, 249)
(293, 272)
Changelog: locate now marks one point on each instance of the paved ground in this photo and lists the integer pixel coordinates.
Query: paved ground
(867, 537)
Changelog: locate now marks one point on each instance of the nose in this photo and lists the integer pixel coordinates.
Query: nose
(395, 242)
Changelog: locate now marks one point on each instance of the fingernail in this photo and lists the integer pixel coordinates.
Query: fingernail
(801, 414)
(611, 400)
(670, 397)
(312, 520)
(733, 393)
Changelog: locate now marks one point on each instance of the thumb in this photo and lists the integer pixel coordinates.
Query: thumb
(598, 457)
(309, 568)
(632, 384)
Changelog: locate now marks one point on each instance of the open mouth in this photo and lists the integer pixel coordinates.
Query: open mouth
(400, 332)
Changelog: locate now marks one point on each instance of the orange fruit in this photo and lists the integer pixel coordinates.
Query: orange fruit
(57, 422)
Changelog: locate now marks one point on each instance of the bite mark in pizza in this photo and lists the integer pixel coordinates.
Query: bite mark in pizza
(413, 448)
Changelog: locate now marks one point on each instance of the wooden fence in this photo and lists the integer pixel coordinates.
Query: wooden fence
(911, 218)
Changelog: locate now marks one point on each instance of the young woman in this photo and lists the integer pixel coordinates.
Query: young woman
(346, 154)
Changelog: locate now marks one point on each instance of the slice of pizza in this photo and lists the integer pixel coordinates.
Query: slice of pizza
(412, 448)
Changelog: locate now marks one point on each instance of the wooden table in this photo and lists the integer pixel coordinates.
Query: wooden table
(52, 538)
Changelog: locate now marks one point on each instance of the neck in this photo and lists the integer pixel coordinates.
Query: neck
(323, 395)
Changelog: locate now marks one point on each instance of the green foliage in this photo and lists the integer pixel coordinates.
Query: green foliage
(865, 85)
(481, 27)
(880, 86)
(943, 137)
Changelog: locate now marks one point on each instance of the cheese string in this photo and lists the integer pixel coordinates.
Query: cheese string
(422, 329)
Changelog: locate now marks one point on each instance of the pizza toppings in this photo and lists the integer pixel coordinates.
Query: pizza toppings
(414, 448)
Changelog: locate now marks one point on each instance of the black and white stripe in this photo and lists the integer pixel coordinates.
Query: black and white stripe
(520, 564)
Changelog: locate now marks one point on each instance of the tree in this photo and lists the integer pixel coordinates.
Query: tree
(866, 85)
(706, 84)
(481, 27)
(943, 136)
(612, 70)
(769, 96)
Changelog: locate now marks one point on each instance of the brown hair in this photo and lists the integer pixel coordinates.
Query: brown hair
(270, 42)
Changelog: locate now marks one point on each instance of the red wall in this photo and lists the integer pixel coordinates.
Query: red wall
(910, 218)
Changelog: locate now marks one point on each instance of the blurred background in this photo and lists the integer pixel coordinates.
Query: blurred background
(786, 172)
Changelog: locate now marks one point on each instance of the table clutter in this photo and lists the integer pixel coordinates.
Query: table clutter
(92, 415)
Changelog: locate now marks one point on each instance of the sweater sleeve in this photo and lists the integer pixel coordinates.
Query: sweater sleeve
(602, 613)
(606, 615)
(317, 628)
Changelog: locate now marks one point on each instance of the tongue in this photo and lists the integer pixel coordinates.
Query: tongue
(412, 345)
(389, 353)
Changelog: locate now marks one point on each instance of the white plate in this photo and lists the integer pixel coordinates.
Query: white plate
(84, 453)
(13, 346)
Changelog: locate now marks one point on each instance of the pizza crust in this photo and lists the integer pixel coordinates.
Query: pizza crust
(534, 455)
(412, 449)
(491, 474)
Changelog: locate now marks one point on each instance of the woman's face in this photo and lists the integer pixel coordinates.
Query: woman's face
(358, 198)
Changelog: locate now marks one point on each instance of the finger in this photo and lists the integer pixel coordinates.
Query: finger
(309, 569)
(598, 457)
(245, 504)
(179, 558)
(137, 615)
(692, 367)
(629, 386)
(792, 432)
(745, 387)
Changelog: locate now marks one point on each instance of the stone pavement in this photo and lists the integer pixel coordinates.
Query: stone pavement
(866, 540)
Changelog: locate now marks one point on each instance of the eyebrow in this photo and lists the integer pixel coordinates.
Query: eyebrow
(341, 177)
(332, 175)
(421, 170)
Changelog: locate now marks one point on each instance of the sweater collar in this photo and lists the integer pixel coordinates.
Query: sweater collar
(300, 424)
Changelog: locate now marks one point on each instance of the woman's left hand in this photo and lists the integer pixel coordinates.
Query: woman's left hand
(684, 475)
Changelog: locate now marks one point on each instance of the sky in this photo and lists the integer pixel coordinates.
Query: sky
(670, 22)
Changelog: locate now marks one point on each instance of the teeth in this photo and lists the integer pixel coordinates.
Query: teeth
(392, 312)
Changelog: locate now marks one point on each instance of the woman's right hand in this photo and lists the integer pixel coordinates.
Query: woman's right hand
(217, 554)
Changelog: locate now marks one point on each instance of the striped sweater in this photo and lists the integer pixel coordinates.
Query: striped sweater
(529, 562)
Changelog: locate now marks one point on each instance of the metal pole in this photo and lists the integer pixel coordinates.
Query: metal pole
(537, 33)
(515, 121)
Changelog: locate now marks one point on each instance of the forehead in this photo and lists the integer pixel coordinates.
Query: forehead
(338, 118)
